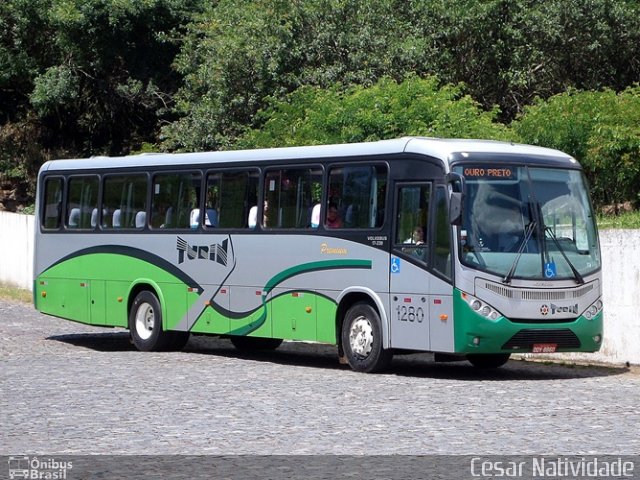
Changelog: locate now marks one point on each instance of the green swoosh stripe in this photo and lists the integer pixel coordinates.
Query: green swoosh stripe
(292, 272)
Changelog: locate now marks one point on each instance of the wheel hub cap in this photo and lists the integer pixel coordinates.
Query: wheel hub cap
(145, 319)
(361, 337)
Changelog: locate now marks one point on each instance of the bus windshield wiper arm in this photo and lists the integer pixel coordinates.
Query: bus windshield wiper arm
(579, 279)
(530, 228)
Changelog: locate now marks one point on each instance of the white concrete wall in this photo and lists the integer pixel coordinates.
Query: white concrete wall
(16, 249)
(621, 289)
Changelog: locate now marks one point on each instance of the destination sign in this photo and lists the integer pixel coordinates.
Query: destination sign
(493, 173)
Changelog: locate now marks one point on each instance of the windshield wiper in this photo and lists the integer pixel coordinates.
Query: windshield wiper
(530, 228)
(579, 279)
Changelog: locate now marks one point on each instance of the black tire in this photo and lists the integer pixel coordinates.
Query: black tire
(362, 339)
(252, 344)
(145, 326)
(488, 360)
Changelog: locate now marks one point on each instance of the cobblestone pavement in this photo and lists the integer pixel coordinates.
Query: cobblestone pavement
(67, 388)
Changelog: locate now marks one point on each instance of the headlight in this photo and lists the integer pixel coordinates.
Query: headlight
(482, 308)
(594, 309)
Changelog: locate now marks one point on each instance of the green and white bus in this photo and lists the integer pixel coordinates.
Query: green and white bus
(469, 249)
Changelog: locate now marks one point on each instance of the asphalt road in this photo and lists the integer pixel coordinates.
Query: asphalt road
(67, 388)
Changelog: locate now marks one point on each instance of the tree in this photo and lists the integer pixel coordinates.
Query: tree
(507, 52)
(238, 54)
(601, 129)
(96, 72)
(387, 109)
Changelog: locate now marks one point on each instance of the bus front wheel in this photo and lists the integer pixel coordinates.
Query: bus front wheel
(145, 326)
(362, 339)
(488, 360)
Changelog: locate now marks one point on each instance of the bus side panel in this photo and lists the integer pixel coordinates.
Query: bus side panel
(174, 295)
(64, 298)
(294, 315)
(215, 316)
(62, 291)
(97, 289)
(116, 303)
(326, 319)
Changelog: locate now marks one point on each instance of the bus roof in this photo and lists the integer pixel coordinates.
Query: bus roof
(444, 149)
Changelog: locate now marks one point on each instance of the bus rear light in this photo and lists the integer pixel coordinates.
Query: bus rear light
(597, 338)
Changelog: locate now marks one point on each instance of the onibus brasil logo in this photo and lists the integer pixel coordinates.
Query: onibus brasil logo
(38, 468)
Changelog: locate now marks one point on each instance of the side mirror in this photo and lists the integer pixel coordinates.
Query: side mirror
(457, 198)
(455, 208)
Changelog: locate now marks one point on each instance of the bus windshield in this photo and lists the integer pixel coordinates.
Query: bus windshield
(528, 223)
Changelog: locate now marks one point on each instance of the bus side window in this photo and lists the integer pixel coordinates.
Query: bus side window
(230, 199)
(52, 209)
(125, 196)
(442, 235)
(175, 195)
(290, 194)
(412, 216)
(359, 194)
(81, 200)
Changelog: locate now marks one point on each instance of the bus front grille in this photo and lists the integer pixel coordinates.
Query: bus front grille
(542, 320)
(525, 339)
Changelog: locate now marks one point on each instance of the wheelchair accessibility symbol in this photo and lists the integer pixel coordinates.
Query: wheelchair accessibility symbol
(395, 265)
(550, 270)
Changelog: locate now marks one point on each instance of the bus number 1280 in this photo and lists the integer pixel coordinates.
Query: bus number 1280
(410, 314)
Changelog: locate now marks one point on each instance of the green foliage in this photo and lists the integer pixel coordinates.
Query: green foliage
(97, 74)
(624, 220)
(507, 52)
(85, 77)
(600, 129)
(53, 90)
(22, 49)
(388, 109)
(21, 155)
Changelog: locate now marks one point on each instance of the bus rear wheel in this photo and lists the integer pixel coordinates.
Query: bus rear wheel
(488, 360)
(362, 340)
(145, 326)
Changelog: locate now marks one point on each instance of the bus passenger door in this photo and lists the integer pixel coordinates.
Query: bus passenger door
(409, 281)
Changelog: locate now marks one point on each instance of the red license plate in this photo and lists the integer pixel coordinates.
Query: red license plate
(544, 347)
